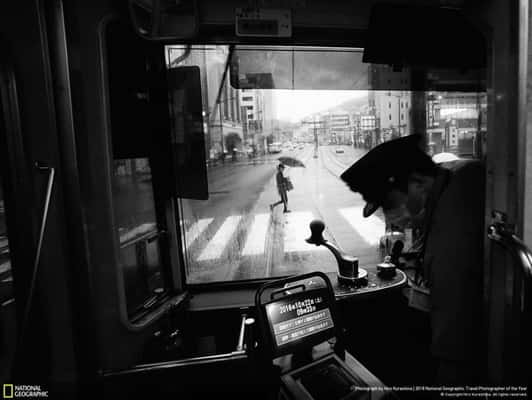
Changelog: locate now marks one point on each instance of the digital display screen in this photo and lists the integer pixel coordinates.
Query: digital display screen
(299, 318)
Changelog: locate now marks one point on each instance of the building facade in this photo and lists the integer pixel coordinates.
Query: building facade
(456, 122)
(366, 134)
(257, 106)
(340, 128)
(222, 113)
(392, 111)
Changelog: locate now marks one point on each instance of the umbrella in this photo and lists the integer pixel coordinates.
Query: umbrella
(291, 162)
(444, 157)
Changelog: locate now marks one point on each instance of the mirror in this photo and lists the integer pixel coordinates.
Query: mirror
(313, 68)
(163, 19)
(298, 68)
(188, 139)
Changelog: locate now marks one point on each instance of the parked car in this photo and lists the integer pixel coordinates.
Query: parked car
(274, 148)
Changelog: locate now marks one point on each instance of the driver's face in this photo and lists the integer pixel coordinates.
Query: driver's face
(417, 197)
(395, 208)
(399, 208)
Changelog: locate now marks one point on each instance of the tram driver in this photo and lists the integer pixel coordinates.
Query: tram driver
(402, 179)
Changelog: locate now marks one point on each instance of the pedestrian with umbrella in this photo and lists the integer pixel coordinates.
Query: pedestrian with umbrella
(283, 186)
(291, 162)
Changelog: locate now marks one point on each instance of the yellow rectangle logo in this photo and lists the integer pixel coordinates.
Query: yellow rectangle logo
(7, 391)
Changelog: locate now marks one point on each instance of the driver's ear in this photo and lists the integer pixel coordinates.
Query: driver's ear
(420, 141)
(420, 180)
(416, 178)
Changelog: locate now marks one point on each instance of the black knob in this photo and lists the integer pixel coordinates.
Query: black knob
(316, 232)
(397, 250)
(386, 270)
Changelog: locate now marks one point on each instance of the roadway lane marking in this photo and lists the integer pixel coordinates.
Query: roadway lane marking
(257, 235)
(370, 229)
(217, 244)
(297, 230)
(196, 229)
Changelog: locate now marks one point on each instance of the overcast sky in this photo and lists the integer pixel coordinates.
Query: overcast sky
(293, 105)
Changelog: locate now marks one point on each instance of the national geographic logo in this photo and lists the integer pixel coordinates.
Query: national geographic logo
(7, 391)
(10, 391)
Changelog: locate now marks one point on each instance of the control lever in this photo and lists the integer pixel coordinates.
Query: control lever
(348, 271)
(397, 249)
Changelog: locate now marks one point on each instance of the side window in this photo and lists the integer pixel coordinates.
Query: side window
(137, 174)
(139, 237)
(7, 296)
(8, 317)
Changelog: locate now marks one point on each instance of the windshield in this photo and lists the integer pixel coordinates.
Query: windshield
(256, 218)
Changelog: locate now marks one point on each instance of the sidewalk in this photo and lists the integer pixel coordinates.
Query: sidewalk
(244, 160)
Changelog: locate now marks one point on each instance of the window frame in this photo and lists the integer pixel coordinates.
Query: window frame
(158, 234)
(241, 284)
(164, 206)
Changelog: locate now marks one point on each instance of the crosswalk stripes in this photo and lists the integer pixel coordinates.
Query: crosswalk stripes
(295, 231)
(257, 235)
(217, 244)
(370, 229)
(196, 229)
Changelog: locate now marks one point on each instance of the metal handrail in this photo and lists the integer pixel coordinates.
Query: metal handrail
(37, 257)
(503, 233)
(240, 344)
(235, 355)
(499, 233)
(143, 237)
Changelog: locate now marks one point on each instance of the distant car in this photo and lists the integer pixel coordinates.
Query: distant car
(274, 149)
(339, 150)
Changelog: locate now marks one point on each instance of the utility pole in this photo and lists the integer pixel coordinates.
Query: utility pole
(399, 114)
(314, 123)
(221, 129)
(315, 140)
(398, 96)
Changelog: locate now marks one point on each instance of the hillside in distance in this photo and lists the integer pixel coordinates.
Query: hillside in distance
(354, 105)
(359, 104)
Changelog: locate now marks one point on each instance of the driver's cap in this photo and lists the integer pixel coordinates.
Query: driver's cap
(380, 169)
(369, 209)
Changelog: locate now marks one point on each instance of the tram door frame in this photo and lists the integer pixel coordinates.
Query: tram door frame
(506, 175)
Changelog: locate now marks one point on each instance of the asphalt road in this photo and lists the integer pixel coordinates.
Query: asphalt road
(234, 236)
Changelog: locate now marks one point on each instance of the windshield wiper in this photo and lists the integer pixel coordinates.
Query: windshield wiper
(212, 116)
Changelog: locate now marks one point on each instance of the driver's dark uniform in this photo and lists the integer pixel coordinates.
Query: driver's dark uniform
(453, 245)
(453, 259)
